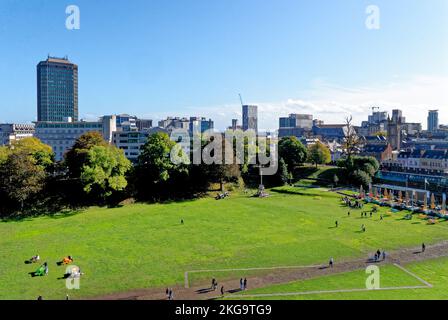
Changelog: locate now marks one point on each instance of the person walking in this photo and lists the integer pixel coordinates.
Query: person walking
(348, 214)
(384, 255)
(245, 284)
(423, 247)
(241, 284)
(222, 290)
(363, 228)
(331, 262)
(336, 223)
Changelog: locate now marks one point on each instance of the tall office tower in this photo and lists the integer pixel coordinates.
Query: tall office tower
(250, 118)
(433, 120)
(57, 90)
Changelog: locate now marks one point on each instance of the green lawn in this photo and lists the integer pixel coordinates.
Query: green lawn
(140, 246)
(434, 271)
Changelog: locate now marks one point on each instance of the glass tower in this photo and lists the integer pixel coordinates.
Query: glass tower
(250, 118)
(57, 90)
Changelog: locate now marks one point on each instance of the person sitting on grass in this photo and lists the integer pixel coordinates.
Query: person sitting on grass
(35, 259)
(74, 273)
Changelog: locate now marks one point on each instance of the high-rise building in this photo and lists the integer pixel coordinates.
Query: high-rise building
(433, 121)
(57, 90)
(250, 118)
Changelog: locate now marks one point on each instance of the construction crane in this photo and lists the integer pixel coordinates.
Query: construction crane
(241, 99)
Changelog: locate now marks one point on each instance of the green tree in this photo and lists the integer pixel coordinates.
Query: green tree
(42, 153)
(292, 151)
(156, 176)
(105, 171)
(4, 152)
(21, 179)
(78, 155)
(282, 172)
(318, 153)
(359, 170)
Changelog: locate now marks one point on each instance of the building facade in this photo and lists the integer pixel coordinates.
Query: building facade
(61, 136)
(10, 132)
(57, 90)
(131, 142)
(433, 121)
(394, 130)
(250, 118)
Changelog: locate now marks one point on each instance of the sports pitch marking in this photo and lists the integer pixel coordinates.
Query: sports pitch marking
(425, 285)
(187, 283)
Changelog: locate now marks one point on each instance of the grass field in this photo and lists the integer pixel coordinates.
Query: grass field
(141, 246)
(434, 271)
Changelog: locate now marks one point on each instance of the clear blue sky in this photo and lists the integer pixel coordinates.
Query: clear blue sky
(152, 57)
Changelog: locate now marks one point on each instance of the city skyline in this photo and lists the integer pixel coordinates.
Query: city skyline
(330, 71)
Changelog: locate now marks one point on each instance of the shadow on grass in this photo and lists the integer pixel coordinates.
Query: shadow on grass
(66, 214)
(30, 217)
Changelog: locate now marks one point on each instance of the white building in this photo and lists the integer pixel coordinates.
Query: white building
(10, 132)
(61, 136)
(131, 142)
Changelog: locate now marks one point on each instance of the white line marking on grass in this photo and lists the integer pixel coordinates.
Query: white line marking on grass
(427, 285)
(320, 292)
(187, 283)
(414, 275)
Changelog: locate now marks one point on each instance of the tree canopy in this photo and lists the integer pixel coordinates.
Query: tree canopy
(105, 170)
(319, 153)
(292, 151)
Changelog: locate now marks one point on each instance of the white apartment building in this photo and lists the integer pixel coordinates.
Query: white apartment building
(10, 132)
(61, 136)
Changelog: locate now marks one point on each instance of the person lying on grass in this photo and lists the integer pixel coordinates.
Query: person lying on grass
(42, 271)
(66, 260)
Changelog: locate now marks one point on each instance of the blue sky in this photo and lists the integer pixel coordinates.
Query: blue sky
(155, 58)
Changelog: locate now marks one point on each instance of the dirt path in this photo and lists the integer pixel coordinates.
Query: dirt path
(202, 292)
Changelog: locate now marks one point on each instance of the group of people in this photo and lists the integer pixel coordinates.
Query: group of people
(380, 255)
(352, 204)
(364, 214)
(224, 195)
(43, 269)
